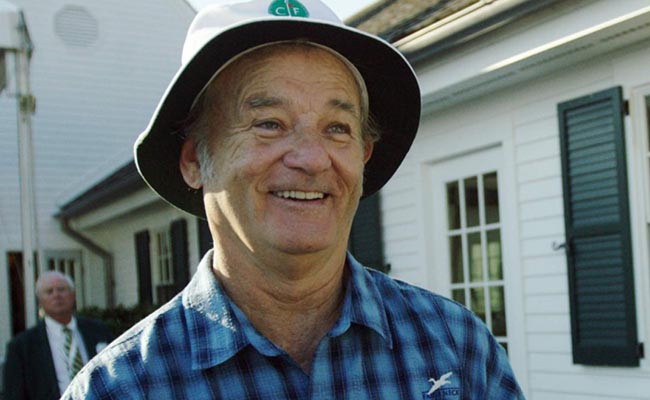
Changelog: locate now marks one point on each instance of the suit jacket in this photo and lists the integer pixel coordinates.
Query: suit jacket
(29, 368)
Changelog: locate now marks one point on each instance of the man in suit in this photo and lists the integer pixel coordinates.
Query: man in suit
(41, 362)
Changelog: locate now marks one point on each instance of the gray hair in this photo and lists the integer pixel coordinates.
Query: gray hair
(49, 274)
(197, 125)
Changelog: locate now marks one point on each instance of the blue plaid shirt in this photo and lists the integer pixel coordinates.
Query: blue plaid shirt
(392, 341)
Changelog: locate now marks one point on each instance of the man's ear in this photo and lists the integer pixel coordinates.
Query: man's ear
(189, 164)
(367, 151)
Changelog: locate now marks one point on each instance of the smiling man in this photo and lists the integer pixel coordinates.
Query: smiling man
(290, 154)
(277, 124)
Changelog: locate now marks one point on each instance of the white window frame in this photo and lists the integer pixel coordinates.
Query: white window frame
(638, 149)
(161, 259)
(439, 278)
(482, 229)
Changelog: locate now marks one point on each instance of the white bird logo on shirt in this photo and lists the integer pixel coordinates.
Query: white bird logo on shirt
(437, 384)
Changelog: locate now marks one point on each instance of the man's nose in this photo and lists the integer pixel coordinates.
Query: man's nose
(308, 153)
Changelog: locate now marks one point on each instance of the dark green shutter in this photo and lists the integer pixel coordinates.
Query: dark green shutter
(143, 261)
(180, 256)
(597, 223)
(366, 236)
(205, 237)
(3, 73)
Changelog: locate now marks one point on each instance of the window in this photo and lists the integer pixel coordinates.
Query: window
(164, 274)
(163, 267)
(162, 262)
(474, 237)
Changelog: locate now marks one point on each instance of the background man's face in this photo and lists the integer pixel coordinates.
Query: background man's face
(56, 298)
(288, 152)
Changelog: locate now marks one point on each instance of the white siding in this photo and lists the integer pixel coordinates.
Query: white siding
(91, 103)
(117, 235)
(9, 206)
(541, 220)
(526, 116)
(399, 219)
(9, 217)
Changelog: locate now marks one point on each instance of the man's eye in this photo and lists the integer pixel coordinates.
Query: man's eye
(339, 128)
(269, 125)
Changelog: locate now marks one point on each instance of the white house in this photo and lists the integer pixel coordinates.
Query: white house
(525, 195)
(97, 69)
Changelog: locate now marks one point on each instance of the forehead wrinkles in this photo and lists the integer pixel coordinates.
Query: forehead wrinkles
(249, 80)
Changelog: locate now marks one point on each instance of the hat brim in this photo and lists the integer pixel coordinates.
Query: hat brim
(393, 92)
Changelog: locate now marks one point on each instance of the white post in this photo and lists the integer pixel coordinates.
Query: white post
(26, 107)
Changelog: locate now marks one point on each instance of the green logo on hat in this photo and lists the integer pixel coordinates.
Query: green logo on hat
(288, 8)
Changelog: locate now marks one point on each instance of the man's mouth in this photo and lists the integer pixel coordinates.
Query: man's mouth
(299, 195)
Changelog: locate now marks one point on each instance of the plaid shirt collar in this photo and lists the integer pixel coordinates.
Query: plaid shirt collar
(218, 330)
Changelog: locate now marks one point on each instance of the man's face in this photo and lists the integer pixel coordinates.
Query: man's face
(57, 298)
(287, 152)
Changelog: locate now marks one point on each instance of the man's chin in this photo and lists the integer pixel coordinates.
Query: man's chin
(303, 245)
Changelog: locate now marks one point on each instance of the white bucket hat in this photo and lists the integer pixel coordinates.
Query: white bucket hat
(221, 32)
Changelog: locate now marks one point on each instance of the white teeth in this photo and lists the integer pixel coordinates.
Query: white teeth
(294, 194)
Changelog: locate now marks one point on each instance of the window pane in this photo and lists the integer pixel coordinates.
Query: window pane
(477, 296)
(459, 295)
(164, 259)
(456, 258)
(497, 305)
(70, 269)
(471, 201)
(495, 269)
(453, 206)
(475, 257)
(505, 346)
(491, 196)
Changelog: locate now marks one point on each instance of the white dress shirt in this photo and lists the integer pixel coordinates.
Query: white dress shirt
(62, 361)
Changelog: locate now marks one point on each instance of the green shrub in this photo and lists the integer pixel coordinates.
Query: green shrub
(119, 318)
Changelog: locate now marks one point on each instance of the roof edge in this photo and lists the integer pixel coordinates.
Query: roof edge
(125, 180)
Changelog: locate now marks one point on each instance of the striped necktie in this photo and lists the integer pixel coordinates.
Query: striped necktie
(77, 362)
